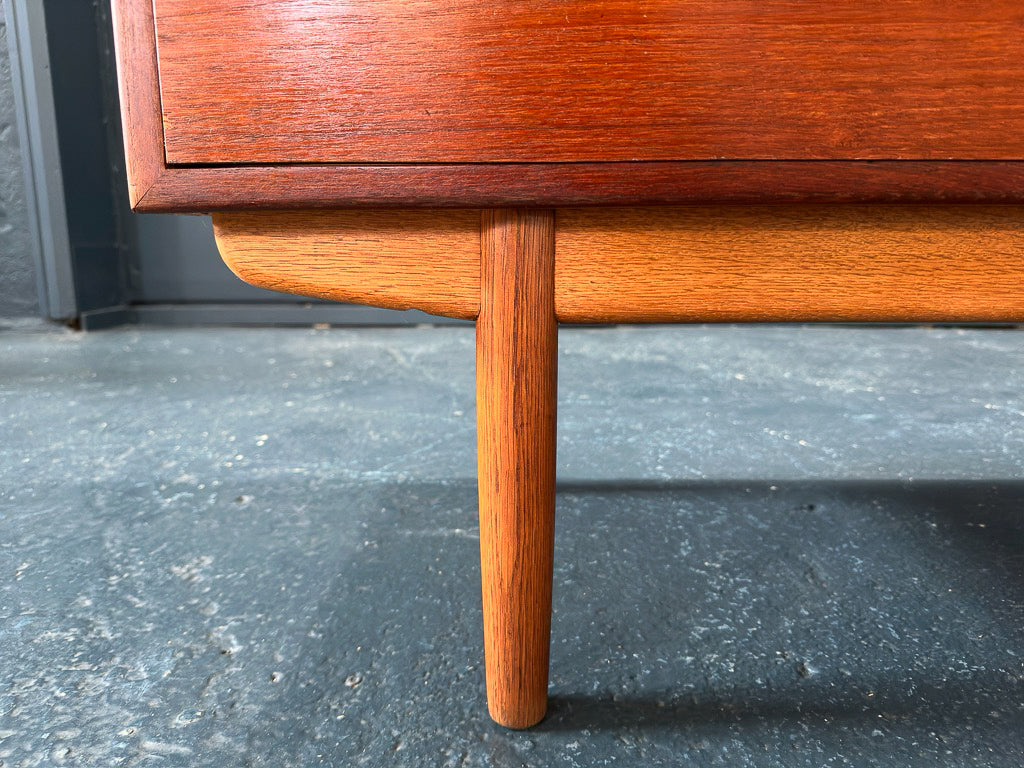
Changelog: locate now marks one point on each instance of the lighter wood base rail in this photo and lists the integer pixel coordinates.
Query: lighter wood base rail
(744, 263)
(519, 272)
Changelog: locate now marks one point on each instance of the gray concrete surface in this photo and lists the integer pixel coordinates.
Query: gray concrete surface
(776, 547)
(17, 271)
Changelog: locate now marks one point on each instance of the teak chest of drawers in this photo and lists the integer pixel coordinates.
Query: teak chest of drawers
(522, 164)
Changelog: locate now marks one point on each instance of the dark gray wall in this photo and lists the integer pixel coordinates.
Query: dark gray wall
(18, 295)
(176, 260)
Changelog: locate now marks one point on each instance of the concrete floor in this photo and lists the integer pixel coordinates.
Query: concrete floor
(776, 546)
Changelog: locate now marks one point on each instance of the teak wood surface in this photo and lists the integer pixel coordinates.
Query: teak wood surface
(429, 81)
(931, 90)
(516, 358)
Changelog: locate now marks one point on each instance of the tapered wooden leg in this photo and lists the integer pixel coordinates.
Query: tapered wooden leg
(516, 353)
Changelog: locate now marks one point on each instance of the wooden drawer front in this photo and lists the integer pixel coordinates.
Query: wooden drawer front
(394, 81)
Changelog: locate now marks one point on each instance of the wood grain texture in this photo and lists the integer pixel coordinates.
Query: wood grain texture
(579, 184)
(516, 359)
(420, 259)
(791, 264)
(135, 47)
(372, 81)
(157, 187)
